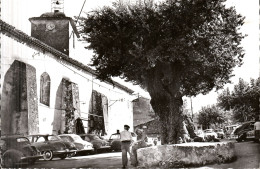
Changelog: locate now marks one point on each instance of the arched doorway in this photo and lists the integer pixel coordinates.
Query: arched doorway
(98, 114)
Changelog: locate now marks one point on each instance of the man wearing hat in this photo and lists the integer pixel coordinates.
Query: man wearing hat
(126, 139)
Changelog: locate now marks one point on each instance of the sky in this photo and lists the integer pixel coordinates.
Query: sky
(22, 10)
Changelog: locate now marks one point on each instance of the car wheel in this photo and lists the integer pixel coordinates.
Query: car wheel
(11, 158)
(47, 155)
(8, 161)
(71, 154)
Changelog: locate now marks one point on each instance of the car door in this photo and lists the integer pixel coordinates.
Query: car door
(40, 143)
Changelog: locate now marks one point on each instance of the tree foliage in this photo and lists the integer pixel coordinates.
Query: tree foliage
(210, 115)
(172, 49)
(243, 100)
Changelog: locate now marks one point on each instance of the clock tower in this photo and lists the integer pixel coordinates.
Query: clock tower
(52, 28)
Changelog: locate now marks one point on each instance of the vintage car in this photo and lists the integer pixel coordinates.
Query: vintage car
(245, 132)
(200, 134)
(17, 150)
(82, 145)
(220, 133)
(97, 142)
(210, 133)
(115, 143)
(52, 146)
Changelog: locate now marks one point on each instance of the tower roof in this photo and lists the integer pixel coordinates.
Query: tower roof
(53, 15)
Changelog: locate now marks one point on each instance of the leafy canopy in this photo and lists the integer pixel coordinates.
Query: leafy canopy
(210, 115)
(197, 42)
(243, 100)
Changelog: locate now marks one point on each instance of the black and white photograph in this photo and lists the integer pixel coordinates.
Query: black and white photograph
(130, 84)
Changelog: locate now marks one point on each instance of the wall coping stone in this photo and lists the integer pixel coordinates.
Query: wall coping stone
(186, 155)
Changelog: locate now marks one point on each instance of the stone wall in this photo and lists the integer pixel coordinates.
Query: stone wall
(19, 111)
(33, 118)
(67, 107)
(143, 111)
(153, 127)
(185, 155)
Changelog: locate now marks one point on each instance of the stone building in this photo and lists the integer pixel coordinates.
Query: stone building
(46, 91)
(143, 111)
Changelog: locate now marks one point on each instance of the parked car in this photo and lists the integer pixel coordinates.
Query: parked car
(82, 145)
(245, 131)
(18, 150)
(230, 131)
(220, 133)
(52, 146)
(98, 143)
(201, 134)
(115, 143)
(210, 133)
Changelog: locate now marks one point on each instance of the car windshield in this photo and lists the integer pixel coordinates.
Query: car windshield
(40, 139)
(22, 140)
(93, 137)
(208, 131)
(115, 136)
(53, 138)
(76, 138)
(66, 138)
(199, 132)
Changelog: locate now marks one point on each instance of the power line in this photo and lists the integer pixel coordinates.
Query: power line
(79, 15)
(91, 80)
(65, 109)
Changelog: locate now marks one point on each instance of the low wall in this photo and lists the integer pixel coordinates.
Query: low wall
(187, 154)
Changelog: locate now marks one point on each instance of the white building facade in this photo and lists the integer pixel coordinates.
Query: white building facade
(46, 91)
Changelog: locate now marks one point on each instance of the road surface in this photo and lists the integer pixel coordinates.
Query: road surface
(103, 160)
(248, 156)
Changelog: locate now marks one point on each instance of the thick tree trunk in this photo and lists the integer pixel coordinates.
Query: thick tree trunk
(171, 118)
(164, 86)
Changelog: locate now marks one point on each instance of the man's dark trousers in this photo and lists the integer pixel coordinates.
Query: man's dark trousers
(125, 147)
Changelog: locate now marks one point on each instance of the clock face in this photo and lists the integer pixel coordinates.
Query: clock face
(50, 26)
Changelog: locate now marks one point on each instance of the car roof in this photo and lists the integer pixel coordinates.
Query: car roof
(88, 135)
(12, 137)
(68, 135)
(42, 135)
(119, 133)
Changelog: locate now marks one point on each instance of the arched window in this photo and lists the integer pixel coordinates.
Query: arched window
(45, 89)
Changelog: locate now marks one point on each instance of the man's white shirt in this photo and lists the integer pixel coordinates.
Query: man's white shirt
(125, 136)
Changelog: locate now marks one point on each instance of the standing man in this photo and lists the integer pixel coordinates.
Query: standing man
(257, 129)
(126, 139)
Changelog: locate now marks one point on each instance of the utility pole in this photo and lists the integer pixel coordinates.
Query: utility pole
(191, 108)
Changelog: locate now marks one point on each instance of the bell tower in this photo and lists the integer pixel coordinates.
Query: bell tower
(57, 6)
(52, 27)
